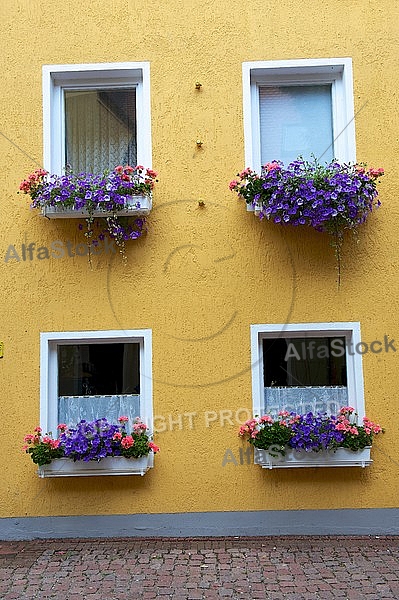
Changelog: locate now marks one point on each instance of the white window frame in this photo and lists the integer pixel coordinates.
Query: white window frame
(350, 331)
(57, 78)
(49, 342)
(334, 71)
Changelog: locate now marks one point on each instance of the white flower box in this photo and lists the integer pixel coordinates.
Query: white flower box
(135, 206)
(110, 465)
(342, 457)
(255, 208)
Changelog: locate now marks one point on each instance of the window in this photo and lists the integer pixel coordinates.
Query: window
(298, 108)
(96, 116)
(310, 367)
(100, 129)
(94, 374)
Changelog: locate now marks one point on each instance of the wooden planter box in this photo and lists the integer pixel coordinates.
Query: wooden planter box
(110, 465)
(135, 206)
(342, 457)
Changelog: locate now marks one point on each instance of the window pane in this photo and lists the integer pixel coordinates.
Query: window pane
(100, 129)
(98, 380)
(304, 374)
(98, 369)
(304, 361)
(296, 121)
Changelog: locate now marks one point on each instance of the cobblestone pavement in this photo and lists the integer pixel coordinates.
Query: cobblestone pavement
(271, 568)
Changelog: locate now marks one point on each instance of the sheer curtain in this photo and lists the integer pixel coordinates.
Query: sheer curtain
(72, 409)
(295, 121)
(302, 400)
(100, 129)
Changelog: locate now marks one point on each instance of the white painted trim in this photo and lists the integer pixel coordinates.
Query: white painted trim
(130, 209)
(110, 465)
(249, 114)
(143, 123)
(48, 368)
(337, 71)
(340, 457)
(349, 330)
(123, 67)
(56, 78)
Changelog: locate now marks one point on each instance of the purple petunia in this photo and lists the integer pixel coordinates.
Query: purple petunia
(90, 440)
(315, 432)
(328, 198)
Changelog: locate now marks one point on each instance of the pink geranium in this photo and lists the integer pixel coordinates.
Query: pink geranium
(127, 442)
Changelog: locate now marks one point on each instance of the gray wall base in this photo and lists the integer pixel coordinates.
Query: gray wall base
(371, 521)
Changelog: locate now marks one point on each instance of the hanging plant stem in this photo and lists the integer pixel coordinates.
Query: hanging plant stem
(89, 235)
(330, 198)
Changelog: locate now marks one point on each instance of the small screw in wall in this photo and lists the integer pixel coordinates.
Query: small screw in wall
(199, 143)
(198, 85)
(201, 203)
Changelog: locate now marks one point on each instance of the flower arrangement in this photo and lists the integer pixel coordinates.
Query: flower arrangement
(90, 441)
(310, 432)
(108, 192)
(42, 448)
(330, 198)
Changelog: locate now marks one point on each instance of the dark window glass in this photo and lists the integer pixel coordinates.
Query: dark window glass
(98, 369)
(304, 362)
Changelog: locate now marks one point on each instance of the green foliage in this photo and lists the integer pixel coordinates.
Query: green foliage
(42, 449)
(273, 437)
(139, 448)
(43, 454)
(359, 441)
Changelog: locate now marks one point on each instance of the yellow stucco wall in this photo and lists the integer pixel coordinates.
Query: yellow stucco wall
(233, 270)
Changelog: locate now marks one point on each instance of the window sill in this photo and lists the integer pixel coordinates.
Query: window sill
(135, 205)
(111, 465)
(343, 457)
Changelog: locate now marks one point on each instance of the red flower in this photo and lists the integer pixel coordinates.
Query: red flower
(127, 442)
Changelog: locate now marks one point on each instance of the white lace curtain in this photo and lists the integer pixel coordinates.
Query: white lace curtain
(100, 129)
(302, 400)
(72, 409)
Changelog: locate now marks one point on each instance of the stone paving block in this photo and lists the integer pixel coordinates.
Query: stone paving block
(287, 568)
